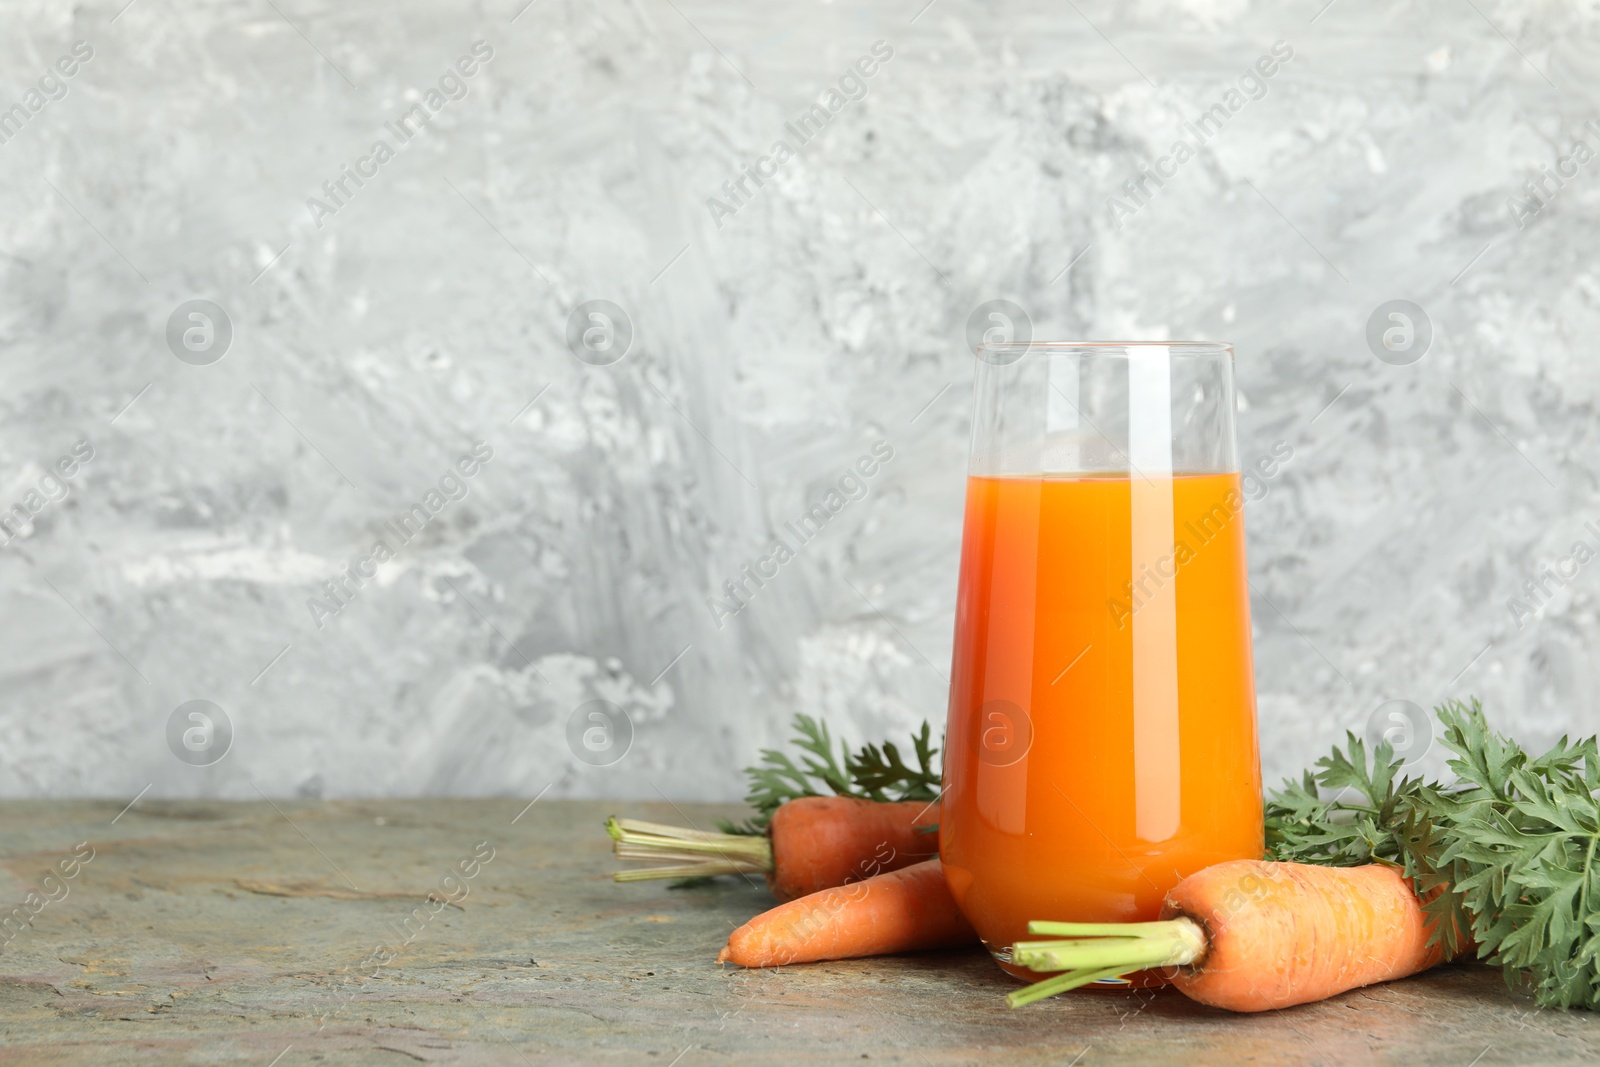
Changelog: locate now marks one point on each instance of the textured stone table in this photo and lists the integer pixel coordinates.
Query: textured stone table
(246, 933)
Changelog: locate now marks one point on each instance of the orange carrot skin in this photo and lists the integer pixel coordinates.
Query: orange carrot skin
(1291, 933)
(901, 911)
(822, 842)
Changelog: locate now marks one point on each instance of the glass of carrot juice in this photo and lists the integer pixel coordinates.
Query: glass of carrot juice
(1101, 742)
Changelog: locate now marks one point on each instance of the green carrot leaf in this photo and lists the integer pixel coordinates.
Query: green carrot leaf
(876, 772)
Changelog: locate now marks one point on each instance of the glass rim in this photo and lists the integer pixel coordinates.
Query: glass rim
(1185, 348)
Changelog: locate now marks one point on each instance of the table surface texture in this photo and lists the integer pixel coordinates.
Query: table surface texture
(301, 932)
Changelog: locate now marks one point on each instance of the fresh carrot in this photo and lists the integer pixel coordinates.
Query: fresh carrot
(1250, 935)
(812, 843)
(899, 911)
(822, 842)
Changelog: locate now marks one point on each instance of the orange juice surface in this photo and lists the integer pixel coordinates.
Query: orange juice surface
(1101, 744)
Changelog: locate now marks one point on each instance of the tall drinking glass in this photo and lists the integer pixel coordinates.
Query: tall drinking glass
(1101, 743)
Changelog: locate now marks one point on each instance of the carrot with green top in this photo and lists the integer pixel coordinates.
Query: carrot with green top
(883, 815)
(812, 843)
(1251, 935)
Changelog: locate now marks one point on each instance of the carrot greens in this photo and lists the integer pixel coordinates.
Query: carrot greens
(1505, 854)
(873, 773)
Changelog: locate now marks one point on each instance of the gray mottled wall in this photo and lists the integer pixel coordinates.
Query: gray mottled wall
(772, 346)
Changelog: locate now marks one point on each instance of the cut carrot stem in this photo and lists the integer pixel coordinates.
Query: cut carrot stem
(1174, 943)
(1061, 983)
(661, 829)
(695, 853)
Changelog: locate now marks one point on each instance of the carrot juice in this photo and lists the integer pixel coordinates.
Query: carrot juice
(1101, 743)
